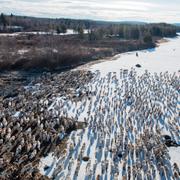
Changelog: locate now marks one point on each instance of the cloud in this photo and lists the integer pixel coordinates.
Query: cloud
(113, 10)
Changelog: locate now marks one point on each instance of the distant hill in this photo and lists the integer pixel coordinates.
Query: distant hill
(132, 22)
(177, 24)
(177, 27)
(29, 22)
(120, 22)
(61, 24)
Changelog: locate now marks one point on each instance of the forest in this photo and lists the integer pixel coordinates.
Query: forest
(122, 29)
(52, 51)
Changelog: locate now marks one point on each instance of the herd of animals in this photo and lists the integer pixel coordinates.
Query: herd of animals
(132, 123)
(28, 131)
(128, 118)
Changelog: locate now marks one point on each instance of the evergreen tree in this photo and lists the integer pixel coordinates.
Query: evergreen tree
(3, 20)
(58, 30)
(147, 38)
(80, 31)
(63, 29)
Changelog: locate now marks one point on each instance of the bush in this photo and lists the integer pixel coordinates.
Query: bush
(148, 39)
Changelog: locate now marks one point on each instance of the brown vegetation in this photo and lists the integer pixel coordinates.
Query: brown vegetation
(49, 52)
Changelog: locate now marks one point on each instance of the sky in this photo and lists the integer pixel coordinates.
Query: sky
(109, 10)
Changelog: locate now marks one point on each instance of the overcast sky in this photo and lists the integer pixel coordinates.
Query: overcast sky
(111, 10)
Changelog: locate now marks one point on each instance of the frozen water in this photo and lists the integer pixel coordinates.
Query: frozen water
(166, 57)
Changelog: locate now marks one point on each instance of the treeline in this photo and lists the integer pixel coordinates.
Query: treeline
(143, 32)
(46, 24)
(98, 29)
(178, 27)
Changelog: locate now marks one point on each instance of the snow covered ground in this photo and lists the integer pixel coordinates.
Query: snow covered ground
(122, 140)
(69, 32)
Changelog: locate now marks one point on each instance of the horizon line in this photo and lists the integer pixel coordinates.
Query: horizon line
(86, 19)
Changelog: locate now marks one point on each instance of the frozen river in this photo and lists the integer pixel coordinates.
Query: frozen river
(128, 112)
(166, 57)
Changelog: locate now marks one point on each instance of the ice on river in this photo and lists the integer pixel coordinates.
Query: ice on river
(166, 57)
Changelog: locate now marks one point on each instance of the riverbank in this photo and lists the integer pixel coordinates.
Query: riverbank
(56, 53)
(164, 57)
(90, 65)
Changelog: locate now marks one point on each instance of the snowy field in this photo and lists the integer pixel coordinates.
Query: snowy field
(128, 110)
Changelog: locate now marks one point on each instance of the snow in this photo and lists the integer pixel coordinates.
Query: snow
(174, 153)
(55, 51)
(47, 161)
(16, 115)
(69, 32)
(22, 51)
